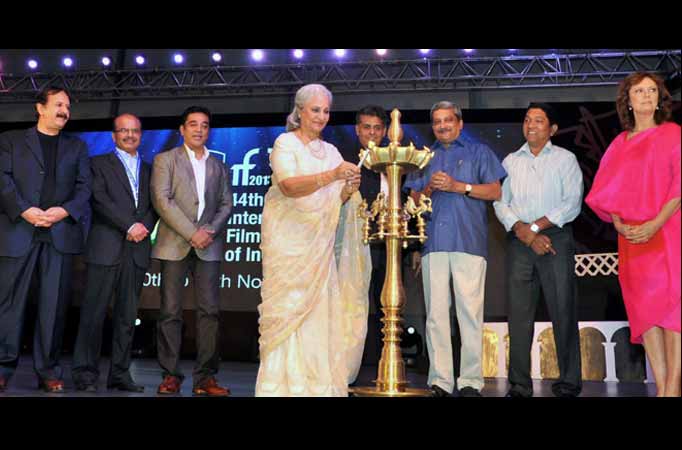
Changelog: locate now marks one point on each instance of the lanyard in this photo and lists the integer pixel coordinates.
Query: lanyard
(131, 178)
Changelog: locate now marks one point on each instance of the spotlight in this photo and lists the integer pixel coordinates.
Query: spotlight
(424, 51)
(216, 57)
(178, 58)
(512, 50)
(468, 50)
(340, 52)
(257, 55)
(67, 61)
(137, 322)
(410, 330)
(106, 61)
(139, 59)
(298, 53)
(32, 63)
(381, 51)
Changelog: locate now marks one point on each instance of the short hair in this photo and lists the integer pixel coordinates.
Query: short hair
(550, 112)
(50, 90)
(373, 111)
(302, 96)
(446, 105)
(113, 123)
(192, 110)
(43, 95)
(665, 100)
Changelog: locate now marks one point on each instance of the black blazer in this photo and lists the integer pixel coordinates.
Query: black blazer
(114, 211)
(22, 171)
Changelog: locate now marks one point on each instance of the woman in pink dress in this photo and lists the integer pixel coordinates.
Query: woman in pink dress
(637, 187)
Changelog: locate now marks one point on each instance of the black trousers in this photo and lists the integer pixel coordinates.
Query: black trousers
(125, 281)
(169, 328)
(376, 284)
(527, 272)
(54, 275)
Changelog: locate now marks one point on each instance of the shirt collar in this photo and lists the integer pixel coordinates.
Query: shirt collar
(525, 148)
(126, 154)
(193, 156)
(459, 142)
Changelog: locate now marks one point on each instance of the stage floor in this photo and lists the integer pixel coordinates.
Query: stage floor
(240, 377)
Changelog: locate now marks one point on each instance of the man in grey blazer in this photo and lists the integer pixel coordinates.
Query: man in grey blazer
(191, 193)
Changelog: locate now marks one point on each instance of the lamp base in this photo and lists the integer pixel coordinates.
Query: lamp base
(368, 391)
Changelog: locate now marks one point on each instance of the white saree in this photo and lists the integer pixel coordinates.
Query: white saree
(313, 314)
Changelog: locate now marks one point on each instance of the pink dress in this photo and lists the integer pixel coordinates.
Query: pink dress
(636, 178)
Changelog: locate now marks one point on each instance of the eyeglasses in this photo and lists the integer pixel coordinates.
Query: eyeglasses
(128, 130)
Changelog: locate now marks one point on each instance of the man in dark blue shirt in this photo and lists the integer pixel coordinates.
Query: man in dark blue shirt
(461, 177)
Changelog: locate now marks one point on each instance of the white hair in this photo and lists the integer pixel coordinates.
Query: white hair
(446, 105)
(303, 95)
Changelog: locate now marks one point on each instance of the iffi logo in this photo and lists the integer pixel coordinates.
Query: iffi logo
(241, 172)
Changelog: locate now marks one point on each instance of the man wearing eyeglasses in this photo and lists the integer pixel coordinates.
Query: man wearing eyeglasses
(118, 254)
(462, 176)
(44, 194)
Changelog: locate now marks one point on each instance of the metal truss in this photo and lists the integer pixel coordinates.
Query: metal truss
(458, 74)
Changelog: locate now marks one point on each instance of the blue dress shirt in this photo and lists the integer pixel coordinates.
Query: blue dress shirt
(131, 171)
(458, 223)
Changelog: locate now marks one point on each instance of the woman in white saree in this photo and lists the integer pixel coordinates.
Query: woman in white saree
(313, 314)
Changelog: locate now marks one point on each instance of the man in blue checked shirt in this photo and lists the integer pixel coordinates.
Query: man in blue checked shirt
(117, 254)
(462, 176)
(540, 198)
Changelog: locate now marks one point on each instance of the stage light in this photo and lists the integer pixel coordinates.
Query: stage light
(257, 55)
(410, 330)
(468, 50)
(298, 53)
(106, 61)
(137, 322)
(340, 52)
(67, 61)
(178, 58)
(381, 51)
(139, 59)
(32, 63)
(512, 50)
(424, 51)
(216, 57)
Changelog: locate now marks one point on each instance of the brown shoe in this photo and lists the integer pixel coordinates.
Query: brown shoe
(51, 386)
(169, 386)
(210, 388)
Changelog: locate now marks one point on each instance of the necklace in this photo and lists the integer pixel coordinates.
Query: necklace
(316, 150)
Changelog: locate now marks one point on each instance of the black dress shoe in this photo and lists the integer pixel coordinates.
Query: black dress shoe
(515, 394)
(565, 390)
(437, 391)
(468, 391)
(127, 386)
(86, 387)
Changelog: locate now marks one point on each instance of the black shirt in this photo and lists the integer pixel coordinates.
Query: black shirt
(47, 198)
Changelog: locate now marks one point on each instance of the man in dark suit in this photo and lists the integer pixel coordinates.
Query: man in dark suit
(371, 123)
(44, 194)
(118, 253)
(191, 192)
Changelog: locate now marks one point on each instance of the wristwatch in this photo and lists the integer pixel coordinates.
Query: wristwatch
(534, 227)
(467, 189)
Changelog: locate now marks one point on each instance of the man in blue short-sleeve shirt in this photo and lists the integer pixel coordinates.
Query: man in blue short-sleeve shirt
(461, 177)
